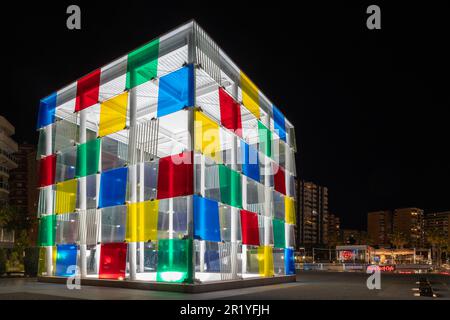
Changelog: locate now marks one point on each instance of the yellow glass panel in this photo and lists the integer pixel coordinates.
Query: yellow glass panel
(265, 261)
(54, 255)
(250, 95)
(142, 221)
(66, 196)
(113, 114)
(289, 205)
(207, 136)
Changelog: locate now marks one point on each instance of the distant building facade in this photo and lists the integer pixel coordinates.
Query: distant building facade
(333, 225)
(23, 185)
(410, 223)
(379, 227)
(438, 221)
(312, 214)
(7, 163)
(353, 237)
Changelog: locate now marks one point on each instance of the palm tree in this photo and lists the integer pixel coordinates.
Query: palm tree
(438, 241)
(398, 240)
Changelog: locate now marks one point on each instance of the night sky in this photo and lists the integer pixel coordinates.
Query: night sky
(370, 106)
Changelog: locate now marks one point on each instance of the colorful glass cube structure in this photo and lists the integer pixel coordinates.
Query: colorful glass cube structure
(169, 165)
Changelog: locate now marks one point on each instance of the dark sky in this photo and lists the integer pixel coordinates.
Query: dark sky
(370, 106)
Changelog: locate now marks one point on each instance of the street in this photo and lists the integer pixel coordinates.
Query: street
(314, 285)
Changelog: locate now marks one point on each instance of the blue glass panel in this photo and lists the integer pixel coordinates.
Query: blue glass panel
(47, 108)
(113, 187)
(250, 166)
(289, 261)
(176, 91)
(279, 123)
(212, 261)
(66, 256)
(206, 219)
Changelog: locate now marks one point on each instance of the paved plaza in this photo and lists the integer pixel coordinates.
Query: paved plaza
(310, 285)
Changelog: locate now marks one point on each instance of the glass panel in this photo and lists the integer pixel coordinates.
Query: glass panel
(179, 217)
(279, 123)
(174, 260)
(114, 224)
(88, 156)
(114, 153)
(230, 113)
(46, 113)
(66, 133)
(91, 259)
(230, 187)
(66, 260)
(265, 139)
(142, 221)
(250, 95)
(175, 176)
(250, 230)
(113, 258)
(113, 185)
(45, 206)
(278, 261)
(265, 259)
(207, 136)
(47, 170)
(90, 235)
(263, 223)
(206, 219)
(279, 205)
(176, 91)
(41, 147)
(47, 231)
(87, 90)
(225, 213)
(113, 115)
(278, 233)
(250, 162)
(289, 261)
(65, 164)
(290, 210)
(252, 265)
(255, 197)
(66, 196)
(142, 64)
(279, 179)
(67, 228)
(147, 177)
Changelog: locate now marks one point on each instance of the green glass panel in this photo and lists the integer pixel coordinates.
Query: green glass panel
(142, 64)
(230, 186)
(265, 139)
(47, 231)
(278, 234)
(175, 260)
(88, 156)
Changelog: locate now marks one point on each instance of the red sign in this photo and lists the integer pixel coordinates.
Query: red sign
(347, 255)
(387, 268)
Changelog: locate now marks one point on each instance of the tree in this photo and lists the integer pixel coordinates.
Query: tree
(438, 241)
(398, 240)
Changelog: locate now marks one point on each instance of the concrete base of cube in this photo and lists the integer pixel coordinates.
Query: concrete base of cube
(177, 287)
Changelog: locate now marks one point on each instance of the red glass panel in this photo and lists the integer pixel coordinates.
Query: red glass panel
(113, 258)
(249, 225)
(47, 171)
(279, 179)
(87, 90)
(230, 112)
(175, 176)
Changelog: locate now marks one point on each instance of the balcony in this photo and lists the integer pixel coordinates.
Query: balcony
(4, 171)
(4, 186)
(8, 160)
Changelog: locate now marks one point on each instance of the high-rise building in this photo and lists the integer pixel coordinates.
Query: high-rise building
(438, 221)
(166, 165)
(23, 185)
(312, 213)
(409, 223)
(7, 162)
(333, 229)
(353, 237)
(379, 227)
